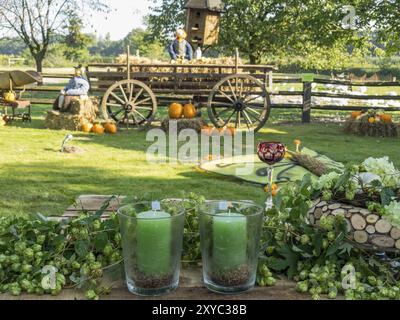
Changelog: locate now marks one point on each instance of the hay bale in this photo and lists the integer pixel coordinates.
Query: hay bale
(56, 120)
(363, 127)
(80, 111)
(195, 124)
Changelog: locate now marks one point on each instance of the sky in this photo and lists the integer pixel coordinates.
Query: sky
(125, 15)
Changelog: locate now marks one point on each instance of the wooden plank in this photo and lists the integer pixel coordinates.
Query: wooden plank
(197, 66)
(353, 96)
(362, 84)
(190, 288)
(353, 108)
(94, 203)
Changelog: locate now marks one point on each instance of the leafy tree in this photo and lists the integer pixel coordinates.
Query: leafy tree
(166, 17)
(76, 41)
(36, 22)
(141, 40)
(269, 27)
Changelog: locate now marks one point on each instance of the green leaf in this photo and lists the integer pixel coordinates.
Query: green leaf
(387, 196)
(277, 264)
(101, 241)
(81, 248)
(291, 259)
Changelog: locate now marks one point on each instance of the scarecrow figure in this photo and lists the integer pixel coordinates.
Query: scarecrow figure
(77, 88)
(180, 49)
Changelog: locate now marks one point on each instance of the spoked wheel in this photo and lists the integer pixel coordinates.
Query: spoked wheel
(239, 101)
(130, 103)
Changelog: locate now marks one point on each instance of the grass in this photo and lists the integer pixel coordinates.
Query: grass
(35, 177)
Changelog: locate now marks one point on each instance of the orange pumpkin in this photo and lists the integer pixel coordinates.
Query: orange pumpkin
(356, 114)
(371, 120)
(87, 127)
(175, 111)
(207, 130)
(386, 118)
(110, 128)
(231, 131)
(189, 111)
(98, 128)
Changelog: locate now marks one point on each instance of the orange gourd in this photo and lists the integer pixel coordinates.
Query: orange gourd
(371, 120)
(87, 127)
(207, 130)
(189, 111)
(356, 114)
(387, 118)
(110, 128)
(98, 129)
(231, 131)
(175, 111)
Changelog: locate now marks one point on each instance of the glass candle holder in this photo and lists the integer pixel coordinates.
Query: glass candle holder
(152, 235)
(230, 236)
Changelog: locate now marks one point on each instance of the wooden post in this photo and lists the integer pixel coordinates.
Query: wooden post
(236, 60)
(128, 62)
(307, 94)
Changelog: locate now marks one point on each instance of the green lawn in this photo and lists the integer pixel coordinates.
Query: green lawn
(35, 177)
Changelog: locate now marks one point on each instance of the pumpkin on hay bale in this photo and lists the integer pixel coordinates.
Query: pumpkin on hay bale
(373, 123)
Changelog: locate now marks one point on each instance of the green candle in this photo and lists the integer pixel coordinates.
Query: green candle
(153, 242)
(229, 241)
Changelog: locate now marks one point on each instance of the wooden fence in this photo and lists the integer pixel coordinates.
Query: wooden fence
(47, 93)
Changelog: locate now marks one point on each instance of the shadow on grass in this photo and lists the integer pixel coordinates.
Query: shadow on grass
(50, 189)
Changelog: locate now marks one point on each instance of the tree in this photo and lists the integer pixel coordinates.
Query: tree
(166, 17)
(141, 40)
(76, 41)
(269, 27)
(37, 22)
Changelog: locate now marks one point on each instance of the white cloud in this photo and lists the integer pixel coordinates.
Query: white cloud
(124, 16)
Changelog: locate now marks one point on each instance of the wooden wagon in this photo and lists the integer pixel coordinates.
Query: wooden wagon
(235, 95)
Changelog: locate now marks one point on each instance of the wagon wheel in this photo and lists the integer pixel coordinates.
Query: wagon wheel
(130, 103)
(241, 101)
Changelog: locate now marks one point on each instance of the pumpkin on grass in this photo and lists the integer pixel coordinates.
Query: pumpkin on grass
(387, 118)
(207, 130)
(98, 128)
(175, 111)
(356, 114)
(231, 131)
(372, 120)
(87, 127)
(189, 111)
(111, 128)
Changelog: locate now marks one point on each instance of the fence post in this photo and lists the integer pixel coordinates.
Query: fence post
(307, 94)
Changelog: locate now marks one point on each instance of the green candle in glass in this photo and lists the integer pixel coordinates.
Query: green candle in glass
(154, 238)
(229, 240)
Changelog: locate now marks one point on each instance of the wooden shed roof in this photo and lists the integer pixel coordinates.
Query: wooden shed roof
(212, 5)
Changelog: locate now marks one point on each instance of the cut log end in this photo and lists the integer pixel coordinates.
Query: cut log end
(361, 237)
(382, 226)
(383, 241)
(358, 222)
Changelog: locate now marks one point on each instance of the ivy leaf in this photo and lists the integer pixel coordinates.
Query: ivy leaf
(81, 248)
(101, 241)
(387, 196)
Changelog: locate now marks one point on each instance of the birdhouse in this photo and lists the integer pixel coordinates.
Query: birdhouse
(203, 21)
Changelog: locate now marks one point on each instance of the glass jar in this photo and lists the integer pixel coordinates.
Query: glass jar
(152, 236)
(230, 237)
